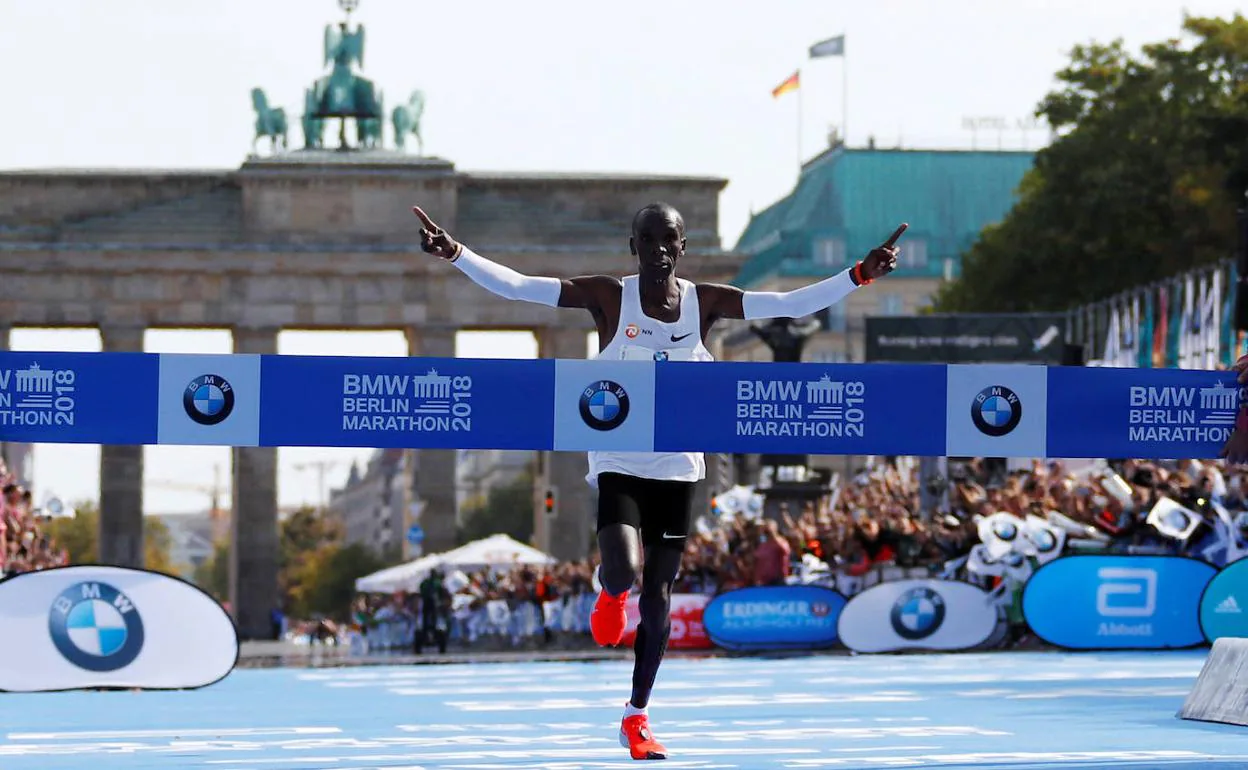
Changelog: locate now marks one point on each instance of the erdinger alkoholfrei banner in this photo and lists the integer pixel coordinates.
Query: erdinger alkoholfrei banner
(991, 410)
(89, 627)
(1102, 602)
(918, 615)
(799, 617)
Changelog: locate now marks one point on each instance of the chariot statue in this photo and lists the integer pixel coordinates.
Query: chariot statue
(343, 94)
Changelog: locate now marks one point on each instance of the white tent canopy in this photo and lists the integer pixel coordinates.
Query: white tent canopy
(495, 551)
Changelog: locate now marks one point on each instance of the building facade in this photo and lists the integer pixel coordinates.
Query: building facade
(849, 200)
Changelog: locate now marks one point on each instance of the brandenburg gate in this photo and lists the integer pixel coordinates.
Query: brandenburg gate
(321, 238)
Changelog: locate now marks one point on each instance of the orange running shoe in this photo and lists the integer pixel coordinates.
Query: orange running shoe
(635, 736)
(608, 619)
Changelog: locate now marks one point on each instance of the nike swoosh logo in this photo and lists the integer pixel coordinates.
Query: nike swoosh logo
(673, 537)
(681, 337)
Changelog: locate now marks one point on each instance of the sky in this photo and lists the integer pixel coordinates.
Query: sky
(671, 87)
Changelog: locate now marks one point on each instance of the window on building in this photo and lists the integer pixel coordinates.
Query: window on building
(892, 304)
(828, 357)
(829, 252)
(913, 252)
(834, 318)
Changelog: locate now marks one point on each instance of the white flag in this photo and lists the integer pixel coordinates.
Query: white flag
(834, 46)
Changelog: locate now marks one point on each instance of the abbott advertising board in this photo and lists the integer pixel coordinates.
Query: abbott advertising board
(687, 630)
(1224, 605)
(774, 618)
(86, 627)
(918, 615)
(1097, 602)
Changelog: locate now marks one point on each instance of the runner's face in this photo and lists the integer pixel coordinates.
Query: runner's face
(658, 242)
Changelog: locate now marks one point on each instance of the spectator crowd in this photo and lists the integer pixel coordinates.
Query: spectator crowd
(24, 546)
(868, 528)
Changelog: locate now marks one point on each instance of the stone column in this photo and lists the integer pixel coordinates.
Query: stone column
(253, 519)
(434, 474)
(567, 534)
(120, 538)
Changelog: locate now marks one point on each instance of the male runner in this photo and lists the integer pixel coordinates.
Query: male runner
(645, 500)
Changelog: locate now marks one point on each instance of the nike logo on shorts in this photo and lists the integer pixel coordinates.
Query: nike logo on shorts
(681, 337)
(673, 537)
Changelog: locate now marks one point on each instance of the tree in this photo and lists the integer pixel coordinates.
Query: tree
(77, 534)
(213, 575)
(507, 509)
(1142, 183)
(323, 582)
(157, 546)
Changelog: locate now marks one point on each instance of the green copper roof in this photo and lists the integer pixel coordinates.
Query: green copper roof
(861, 195)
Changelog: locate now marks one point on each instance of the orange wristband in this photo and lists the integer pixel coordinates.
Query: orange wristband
(859, 278)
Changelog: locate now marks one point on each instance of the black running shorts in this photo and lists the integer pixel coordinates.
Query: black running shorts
(661, 510)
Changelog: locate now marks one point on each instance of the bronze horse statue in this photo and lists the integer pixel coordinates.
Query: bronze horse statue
(270, 122)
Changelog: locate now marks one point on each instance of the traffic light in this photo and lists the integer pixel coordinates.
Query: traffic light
(550, 502)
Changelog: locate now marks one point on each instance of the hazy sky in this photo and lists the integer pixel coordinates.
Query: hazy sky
(682, 86)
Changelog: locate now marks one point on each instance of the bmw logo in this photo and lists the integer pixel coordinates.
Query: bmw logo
(996, 410)
(918, 613)
(604, 405)
(1044, 540)
(96, 627)
(208, 399)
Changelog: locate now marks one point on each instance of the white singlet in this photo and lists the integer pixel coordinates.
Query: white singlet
(638, 337)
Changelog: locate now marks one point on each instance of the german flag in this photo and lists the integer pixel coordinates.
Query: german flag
(791, 84)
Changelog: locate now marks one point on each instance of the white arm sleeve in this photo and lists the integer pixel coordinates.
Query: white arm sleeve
(799, 302)
(508, 283)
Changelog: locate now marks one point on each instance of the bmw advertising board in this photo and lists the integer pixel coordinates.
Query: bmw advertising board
(1094, 602)
(774, 618)
(1224, 605)
(604, 405)
(996, 411)
(88, 627)
(210, 400)
(918, 615)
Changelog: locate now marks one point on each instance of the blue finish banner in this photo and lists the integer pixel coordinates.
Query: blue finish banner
(1117, 602)
(774, 618)
(443, 403)
(642, 406)
(1224, 605)
(1149, 413)
(79, 398)
(833, 409)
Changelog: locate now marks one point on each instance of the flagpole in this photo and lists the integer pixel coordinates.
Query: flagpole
(799, 122)
(845, 100)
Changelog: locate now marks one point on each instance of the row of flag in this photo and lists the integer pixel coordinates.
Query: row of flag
(831, 47)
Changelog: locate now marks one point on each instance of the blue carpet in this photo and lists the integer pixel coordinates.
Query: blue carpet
(1021, 711)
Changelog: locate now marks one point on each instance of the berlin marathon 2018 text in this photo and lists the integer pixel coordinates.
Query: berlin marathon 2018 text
(427, 403)
(37, 397)
(822, 408)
